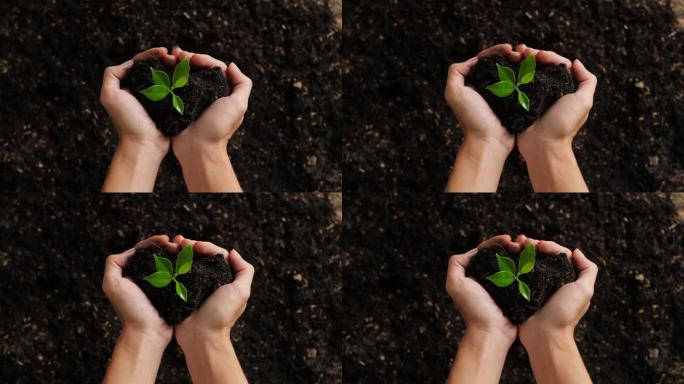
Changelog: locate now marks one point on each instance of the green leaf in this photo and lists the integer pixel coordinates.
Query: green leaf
(155, 92)
(524, 290)
(502, 278)
(177, 104)
(159, 279)
(502, 88)
(181, 291)
(526, 70)
(505, 263)
(160, 77)
(523, 100)
(181, 74)
(505, 74)
(184, 260)
(527, 259)
(163, 264)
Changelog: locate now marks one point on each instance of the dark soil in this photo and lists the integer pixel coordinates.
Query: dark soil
(53, 122)
(405, 329)
(550, 273)
(62, 329)
(550, 84)
(398, 54)
(208, 273)
(203, 88)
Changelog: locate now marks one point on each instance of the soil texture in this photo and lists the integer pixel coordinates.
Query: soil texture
(550, 84)
(406, 329)
(62, 328)
(203, 88)
(208, 273)
(549, 274)
(397, 55)
(54, 123)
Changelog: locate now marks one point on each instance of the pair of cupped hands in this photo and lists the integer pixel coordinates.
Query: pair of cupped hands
(553, 132)
(559, 315)
(208, 134)
(213, 320)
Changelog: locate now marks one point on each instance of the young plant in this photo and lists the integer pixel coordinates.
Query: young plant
(165, 273)
(508, 274)
(507, 81)
(162, 87)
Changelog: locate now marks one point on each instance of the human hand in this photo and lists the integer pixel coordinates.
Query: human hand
(478, 309)
(209, 135)
(481, 127)
(218, 314)
(133, 125)
(565, 308)
(554, 131)
(135, 311)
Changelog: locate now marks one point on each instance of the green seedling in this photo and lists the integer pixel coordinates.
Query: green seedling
(165, 273)
(162, 87)
(508, 274)
(507, 81)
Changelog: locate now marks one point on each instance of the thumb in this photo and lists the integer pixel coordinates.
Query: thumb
(587, 82)
(242, 86)
(244, 273)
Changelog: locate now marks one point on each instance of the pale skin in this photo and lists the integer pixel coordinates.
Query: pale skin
(546, 146)
(548, 335)
(204, 336)
(201, 149)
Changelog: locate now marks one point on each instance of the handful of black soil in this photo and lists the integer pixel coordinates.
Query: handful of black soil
(550, 273)
(550, 84)
(203, 88)
(207, 274)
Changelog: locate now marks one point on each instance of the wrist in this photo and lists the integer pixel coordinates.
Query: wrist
(195, 155)
(492, 336)
(141, 153)
(194, 339)
(486, 149)
(143, 342)
(544, 339)
(535, 150)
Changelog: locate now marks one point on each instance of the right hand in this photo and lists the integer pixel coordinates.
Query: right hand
(555, 130)
(210, 133)
(218, 314)
(560, 315)
(481, 127)
(478, 309)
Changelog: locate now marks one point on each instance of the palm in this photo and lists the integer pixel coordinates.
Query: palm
(220, 311)
(564, 306)
(140, 311)
(485, 124)
(486, 312)
(216, 124)
(135, 121)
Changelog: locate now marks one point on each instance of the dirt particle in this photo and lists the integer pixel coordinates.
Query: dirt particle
(298, 85)
(297, 277)
(640, 277)
(653, 353)
(311, 353)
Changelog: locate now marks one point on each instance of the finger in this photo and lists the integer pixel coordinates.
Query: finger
(242, 85)
(207, 248)
(183, 242)
(587, 82)
(115, 263)
(206, 61)
(458, 71)
(113, 75)
(496, 240)
(587, 270)
(552, 248)
(158, 53)
(181, 54)
(244, 271)
(499, 49)
(552, 58)
(520, 48)
(530, 51)
(458, 263)
(514, 57)
(158, 240)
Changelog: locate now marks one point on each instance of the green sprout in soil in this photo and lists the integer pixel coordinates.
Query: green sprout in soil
(165, 273)
(507, 83)
(162, 87)
(507, 272)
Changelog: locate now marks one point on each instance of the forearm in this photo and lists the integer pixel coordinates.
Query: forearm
(556, 359)
(210, 171)
(477, 168)
(480, 358)
(135, 358)
(213, 360)
(555, 170)
(133, 169)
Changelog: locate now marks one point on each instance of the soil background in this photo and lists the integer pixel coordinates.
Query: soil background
(398, 55)
(406, 329)
(57, 326)
(53, 55)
